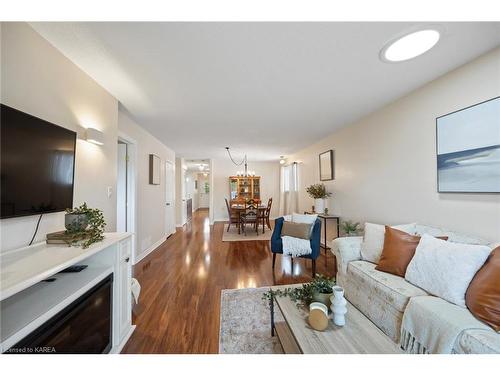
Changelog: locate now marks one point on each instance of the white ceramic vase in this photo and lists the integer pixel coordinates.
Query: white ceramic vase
(338, 306)
(319, 205)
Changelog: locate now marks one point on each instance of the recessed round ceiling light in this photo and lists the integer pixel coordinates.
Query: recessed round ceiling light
(410, 46)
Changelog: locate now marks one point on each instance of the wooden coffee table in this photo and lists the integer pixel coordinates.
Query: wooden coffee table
(358, 336)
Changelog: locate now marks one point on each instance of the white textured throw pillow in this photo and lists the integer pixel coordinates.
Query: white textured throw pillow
(373, 239)
(445, 269)
(304, 219)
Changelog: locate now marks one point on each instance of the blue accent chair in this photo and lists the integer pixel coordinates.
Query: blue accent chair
(277, 244)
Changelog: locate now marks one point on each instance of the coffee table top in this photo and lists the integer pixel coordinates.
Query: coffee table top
(358, 336)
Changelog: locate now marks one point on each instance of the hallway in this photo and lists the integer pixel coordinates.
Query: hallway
(182, 280)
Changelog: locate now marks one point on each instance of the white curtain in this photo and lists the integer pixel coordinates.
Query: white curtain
(289, 189)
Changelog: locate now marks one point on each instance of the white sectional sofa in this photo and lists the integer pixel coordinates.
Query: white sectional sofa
(382, 297)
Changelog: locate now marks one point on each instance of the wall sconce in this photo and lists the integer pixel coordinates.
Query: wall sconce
(94, 136)
(282, 160)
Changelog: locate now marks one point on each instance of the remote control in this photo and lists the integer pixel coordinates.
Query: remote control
(74, 268)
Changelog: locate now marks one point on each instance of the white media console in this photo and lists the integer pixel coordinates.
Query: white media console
(27, 302)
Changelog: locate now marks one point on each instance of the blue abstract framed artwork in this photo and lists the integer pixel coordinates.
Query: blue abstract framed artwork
(468, 149)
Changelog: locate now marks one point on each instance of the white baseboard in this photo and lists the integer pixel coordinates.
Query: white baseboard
(149, 250)
(117, 349)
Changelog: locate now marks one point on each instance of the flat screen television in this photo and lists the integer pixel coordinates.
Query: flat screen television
(37, 165)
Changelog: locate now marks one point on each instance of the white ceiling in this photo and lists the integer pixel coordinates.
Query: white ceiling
(267, 89)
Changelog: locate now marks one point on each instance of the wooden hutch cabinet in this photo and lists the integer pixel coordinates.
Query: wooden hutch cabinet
(244, 188)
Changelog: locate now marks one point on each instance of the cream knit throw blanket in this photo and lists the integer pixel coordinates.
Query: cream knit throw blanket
(433, 325)
(295, 246)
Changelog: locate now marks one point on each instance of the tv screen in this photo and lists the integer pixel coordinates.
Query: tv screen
(37, 165)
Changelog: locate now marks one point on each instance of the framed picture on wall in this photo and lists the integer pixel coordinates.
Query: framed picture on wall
(468, 149)
(154, 169)
(326, 166)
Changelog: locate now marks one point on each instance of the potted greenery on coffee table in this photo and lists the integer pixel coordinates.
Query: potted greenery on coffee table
(320, 289)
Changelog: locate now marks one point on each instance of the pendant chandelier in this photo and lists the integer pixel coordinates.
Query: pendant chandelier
(246, 172)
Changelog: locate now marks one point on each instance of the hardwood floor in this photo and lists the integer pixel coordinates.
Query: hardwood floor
(182, 281)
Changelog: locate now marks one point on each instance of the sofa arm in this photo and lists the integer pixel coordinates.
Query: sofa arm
(346, 249)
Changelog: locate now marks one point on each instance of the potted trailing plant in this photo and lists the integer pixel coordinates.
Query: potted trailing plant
(318, 290)
(84, 224)
(322, 289)
(319, 194)
(350, 228)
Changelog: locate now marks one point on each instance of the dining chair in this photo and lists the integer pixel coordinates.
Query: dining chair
(234, 217)
(250, 215)
(267, 213)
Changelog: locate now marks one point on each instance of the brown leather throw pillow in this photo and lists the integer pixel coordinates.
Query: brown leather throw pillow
(483, 295)
(399, 249)
(297, 230)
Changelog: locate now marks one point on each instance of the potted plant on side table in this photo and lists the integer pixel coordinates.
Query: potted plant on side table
(319, 194)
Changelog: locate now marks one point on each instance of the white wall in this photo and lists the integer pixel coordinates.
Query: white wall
(386, 162)
(269, 184)
(150, 213)
(36, 78)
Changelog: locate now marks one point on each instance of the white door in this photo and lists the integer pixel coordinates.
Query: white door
(203, 191)
(169, 198)
(121, 189)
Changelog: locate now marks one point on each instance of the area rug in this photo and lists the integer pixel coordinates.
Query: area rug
(245, 323)
(233, 235)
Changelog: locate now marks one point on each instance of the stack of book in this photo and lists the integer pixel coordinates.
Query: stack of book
(67, 238)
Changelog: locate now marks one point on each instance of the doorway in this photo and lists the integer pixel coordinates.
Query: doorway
(198, 185)
(126, 187)
(169, 198)
(121, 188)
(203, 190)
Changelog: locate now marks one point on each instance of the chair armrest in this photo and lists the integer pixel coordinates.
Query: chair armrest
(276, 243)
(346, 249)
(316, 239)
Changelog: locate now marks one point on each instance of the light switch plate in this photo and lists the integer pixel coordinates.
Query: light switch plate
(110, 191)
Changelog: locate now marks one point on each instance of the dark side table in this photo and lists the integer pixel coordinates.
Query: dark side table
(325, 218)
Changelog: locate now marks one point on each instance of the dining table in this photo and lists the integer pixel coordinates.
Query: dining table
(240, 208)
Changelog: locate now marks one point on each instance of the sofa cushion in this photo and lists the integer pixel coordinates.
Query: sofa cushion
(452, 235)
(393, 289)
(478, 341)
(445, 269)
